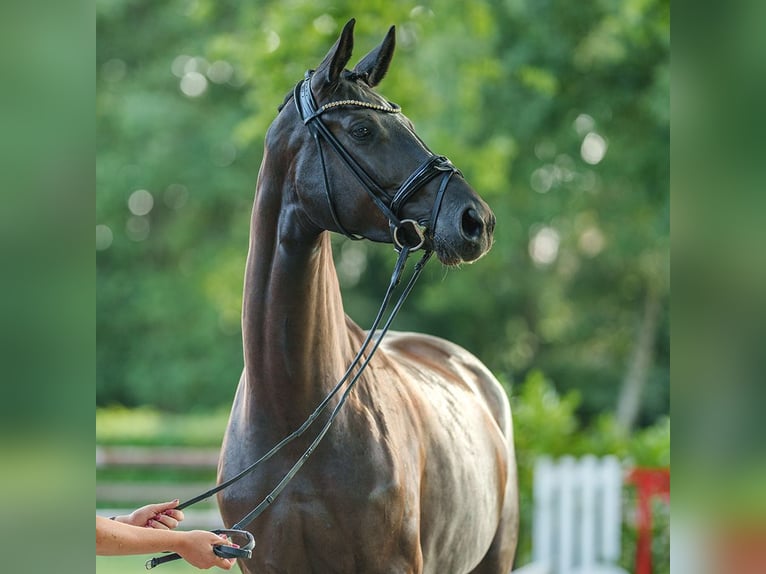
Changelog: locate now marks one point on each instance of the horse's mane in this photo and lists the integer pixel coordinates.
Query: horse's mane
(288, 97)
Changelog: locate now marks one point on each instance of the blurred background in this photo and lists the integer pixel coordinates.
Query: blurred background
(556, 112)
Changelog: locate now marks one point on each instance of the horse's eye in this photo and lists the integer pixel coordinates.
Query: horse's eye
(360, 132)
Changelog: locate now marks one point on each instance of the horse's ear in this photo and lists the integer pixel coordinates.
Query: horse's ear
(338, 56)
(375, 64)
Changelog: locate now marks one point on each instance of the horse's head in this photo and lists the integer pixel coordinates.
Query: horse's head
(360, 169)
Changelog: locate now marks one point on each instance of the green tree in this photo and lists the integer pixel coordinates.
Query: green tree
(556, 112)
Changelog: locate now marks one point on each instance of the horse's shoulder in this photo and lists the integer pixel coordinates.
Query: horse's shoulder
(457, 365)
(428, 348)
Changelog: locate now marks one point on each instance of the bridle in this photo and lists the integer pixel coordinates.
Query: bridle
(432, 167)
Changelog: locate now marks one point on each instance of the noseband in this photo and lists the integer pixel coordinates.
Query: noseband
(433, 166)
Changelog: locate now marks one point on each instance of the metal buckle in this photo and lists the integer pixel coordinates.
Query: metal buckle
(420, 231)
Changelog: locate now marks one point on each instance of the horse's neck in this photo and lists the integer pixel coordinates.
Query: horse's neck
(296, 342)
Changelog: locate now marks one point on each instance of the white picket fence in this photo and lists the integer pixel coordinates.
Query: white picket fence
(577, 517)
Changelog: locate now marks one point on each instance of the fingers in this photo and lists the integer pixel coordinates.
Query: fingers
(162, 522)
(163, 506)
(226, 563)
(165, 516)
(199, 554)
(173, 513)
(223, 540)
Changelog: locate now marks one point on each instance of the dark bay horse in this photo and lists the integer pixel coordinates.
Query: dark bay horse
(417, 473)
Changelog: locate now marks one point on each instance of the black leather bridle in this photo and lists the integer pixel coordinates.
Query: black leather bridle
(433, 166)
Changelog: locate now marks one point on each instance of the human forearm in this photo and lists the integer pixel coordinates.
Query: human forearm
(115, 538)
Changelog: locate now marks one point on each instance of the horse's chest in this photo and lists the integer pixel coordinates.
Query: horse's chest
(347, 510)
(340, 529)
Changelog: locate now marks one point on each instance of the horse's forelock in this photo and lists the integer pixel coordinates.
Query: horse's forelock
(352, 76)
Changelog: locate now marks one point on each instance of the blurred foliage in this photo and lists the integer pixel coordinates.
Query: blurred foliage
(556, 112)
(546, 423)
(147, 426)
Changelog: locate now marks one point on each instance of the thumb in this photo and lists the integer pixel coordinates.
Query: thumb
(159, 507)
(225, 540)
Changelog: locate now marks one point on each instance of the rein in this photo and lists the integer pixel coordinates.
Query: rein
(238, 528)
(432, 167)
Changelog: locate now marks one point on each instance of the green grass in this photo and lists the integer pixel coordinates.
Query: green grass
(149, 427)
(135, 565)
(159, 474)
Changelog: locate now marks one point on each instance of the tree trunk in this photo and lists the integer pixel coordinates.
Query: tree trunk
(637, 374)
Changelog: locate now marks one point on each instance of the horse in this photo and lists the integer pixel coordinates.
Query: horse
(417, 473)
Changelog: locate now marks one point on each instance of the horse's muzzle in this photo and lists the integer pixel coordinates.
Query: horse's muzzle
(466, 235)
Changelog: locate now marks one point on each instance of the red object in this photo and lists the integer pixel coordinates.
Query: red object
(740, 548)
(649, 482)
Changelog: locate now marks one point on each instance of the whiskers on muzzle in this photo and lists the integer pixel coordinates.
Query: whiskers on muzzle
(469, 237)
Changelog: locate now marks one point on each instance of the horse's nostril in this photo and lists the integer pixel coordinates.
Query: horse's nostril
(472, 224)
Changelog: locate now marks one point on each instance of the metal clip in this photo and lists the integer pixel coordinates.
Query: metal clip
(417, 228)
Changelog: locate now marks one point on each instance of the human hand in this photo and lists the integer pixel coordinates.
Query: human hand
(161, 516)
(196, 548)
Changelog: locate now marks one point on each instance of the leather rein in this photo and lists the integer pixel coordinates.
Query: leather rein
(433, 166)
